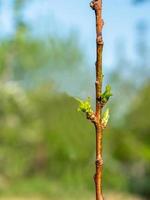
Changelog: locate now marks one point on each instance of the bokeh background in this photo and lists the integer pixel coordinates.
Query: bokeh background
(47, 56)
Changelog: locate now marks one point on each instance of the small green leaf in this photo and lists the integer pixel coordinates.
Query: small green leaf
(85, 106)
(107, 94)
(105, 118)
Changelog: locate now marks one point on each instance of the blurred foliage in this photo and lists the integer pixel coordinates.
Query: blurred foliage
(45, 144)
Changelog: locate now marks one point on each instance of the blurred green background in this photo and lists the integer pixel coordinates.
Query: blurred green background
(47, 55)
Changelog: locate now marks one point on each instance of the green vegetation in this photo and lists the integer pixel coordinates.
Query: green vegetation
(106, 95)
(46, 147)
(105, 118)
(111, 196)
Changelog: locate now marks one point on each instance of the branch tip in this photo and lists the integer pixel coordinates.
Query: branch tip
(95, 5)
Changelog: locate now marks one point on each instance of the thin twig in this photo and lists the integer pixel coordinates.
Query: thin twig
(97, 6)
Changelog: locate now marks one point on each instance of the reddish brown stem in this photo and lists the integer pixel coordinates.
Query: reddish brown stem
(97, 6)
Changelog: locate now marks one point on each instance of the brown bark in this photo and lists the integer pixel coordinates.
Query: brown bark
(97, 6)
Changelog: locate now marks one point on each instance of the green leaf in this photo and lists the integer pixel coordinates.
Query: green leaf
(85, 106)
(106, 117)
(107, 94)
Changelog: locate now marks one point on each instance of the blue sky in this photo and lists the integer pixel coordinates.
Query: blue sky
(61, 16)
(120, 17)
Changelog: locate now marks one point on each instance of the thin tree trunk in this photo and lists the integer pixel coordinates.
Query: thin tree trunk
(99, 121)
(97, 6)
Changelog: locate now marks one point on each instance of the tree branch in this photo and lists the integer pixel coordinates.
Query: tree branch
(96, 118)
(96, 5)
